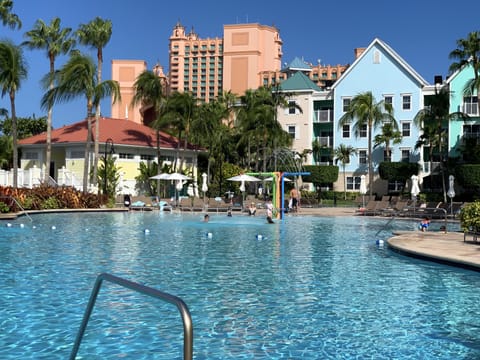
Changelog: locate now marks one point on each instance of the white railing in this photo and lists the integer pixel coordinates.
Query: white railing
(32, 177)
(325, 140)
(322, 116)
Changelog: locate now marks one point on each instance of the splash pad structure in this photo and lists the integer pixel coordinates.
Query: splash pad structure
(278, 188)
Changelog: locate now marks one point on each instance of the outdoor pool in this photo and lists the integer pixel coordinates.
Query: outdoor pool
(311, 288)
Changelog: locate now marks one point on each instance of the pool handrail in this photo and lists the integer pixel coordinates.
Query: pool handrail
(179, 303)
(18, 204)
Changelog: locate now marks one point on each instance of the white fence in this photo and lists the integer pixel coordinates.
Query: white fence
(34, 177)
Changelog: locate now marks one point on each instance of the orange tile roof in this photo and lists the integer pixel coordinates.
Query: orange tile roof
(121, 131)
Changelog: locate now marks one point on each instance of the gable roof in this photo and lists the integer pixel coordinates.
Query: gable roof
(299, 81)
(123, 132)
(401, 62)
(297, 64)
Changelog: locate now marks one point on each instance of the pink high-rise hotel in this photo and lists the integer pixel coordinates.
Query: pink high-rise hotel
(246, 57)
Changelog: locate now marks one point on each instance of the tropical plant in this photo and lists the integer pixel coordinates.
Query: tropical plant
(149, 93)
(364, 110)
(7, 17)
(180, 112)
(96, 34)
(55, 41)
(389, 134)
(13, 70)
(470, 216)
(342, 154)
(433, 120)
(77, 79)
(468, 52)
(109, 176)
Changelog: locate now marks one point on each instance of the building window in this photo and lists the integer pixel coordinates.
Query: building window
(291, 131)
(353, 182)
(405, 155)
(363, 131)
(387, 157)
(126, 156)
(406, 102)
(405, 129)
(362, 157)
(346, 104)
(292, 109)
(147, 157)
(346, 131)
(77, 154)
(470, 105)
(395, 186)
(377, 56)
(31, 155)
(388, 99)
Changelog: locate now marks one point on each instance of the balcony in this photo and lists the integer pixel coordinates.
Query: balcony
(323, 116)
(325, 141)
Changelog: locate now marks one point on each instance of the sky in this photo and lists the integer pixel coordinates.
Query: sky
(422, 32)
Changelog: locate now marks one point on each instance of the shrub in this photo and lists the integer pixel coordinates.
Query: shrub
(4, 208)
(470, 216)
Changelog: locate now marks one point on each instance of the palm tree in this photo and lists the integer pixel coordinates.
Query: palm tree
(96, 34)
(342, 154)
(181, 110)
(149, 92)
(77, 79)
(13, 69)
(366, 111)
(468, 52)
(433, 120)
(390, 133)
(7, 17)
(56, 41)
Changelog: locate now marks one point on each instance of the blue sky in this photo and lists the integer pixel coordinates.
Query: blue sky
(422, 32)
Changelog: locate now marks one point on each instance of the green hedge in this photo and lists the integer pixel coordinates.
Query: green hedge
(468, 175)
(397, 171)
(321, 174)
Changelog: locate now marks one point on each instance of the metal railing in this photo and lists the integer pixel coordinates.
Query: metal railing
(181, 306)
(18, 204)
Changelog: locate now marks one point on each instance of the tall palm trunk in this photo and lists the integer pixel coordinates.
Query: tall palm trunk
(48, 155)
(15, 139)
(87, 147)
(370, 160)
(97, 118)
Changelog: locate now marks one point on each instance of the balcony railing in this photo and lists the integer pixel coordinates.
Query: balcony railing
(323, 116)
(326, 141)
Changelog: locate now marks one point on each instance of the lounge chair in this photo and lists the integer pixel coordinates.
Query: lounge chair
(185, 204)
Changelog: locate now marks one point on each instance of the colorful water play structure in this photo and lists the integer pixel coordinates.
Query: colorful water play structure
(278, 188)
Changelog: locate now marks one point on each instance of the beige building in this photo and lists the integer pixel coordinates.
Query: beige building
(246, 57)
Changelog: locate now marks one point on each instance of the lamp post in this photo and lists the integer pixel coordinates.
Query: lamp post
(110, 151)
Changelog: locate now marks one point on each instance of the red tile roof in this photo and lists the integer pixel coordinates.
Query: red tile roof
(121, 131)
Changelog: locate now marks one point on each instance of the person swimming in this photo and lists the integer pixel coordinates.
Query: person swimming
(424, 224)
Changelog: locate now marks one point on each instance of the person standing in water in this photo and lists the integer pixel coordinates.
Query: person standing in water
(269, 211)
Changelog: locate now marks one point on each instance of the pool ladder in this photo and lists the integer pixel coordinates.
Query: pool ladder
(181, 306)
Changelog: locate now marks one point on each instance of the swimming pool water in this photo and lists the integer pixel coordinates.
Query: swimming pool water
(311, 288)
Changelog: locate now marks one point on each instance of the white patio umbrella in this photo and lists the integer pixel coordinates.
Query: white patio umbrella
(271, 179)
(178, 176)
(414, 191)
(163, 176)
(204, 186)
(451, 192)
(363, 188)
(244, 178)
